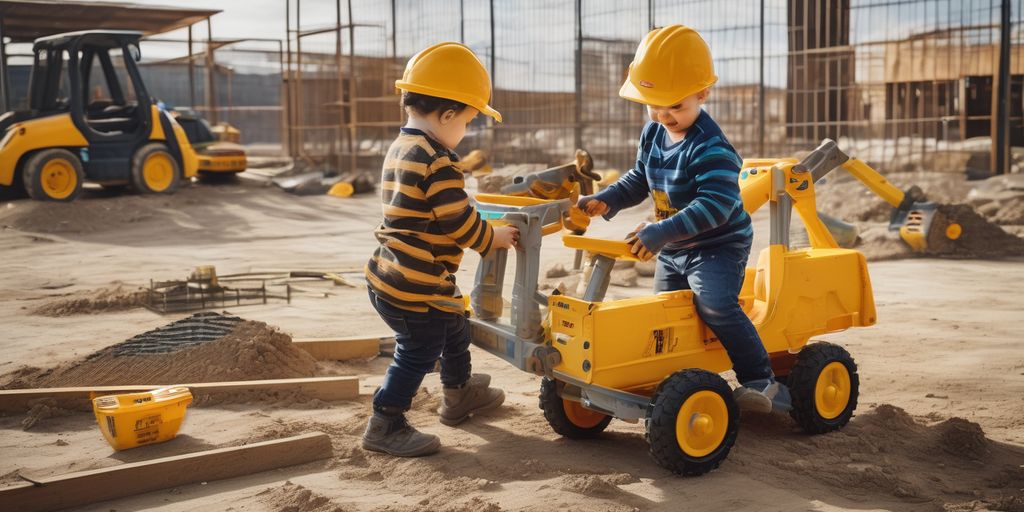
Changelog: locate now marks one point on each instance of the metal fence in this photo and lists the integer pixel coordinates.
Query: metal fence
(904, 84)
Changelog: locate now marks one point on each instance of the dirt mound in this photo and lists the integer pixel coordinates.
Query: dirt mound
(980, 239)
(887, 450)
(101, 300)
(295, 498)
(92, 216)
(251, 351)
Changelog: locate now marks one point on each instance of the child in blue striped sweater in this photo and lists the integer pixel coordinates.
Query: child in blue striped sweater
(702, 235)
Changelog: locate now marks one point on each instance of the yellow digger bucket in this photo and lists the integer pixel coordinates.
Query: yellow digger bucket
(135, 419)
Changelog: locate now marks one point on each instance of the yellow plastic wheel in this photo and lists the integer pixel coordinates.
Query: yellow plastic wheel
(832, 390)
(824, 386)
(158, 171)
(581, 416)
(58, 179)
(692, 422)
(702, 423)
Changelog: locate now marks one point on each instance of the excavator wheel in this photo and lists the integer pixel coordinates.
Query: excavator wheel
(824, 386)
(568, 418)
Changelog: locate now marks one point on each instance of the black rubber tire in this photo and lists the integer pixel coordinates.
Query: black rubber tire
(803, 378)
(661, 423)
(138, 181)
(32, 174)
(554, 412)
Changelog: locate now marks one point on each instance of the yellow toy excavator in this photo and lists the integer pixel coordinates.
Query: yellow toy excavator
(90, 117)
(652, 358)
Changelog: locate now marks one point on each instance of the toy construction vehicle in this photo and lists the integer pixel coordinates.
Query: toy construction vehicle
(218, 150)
(91, 118)
(919, 222)
(652, 357)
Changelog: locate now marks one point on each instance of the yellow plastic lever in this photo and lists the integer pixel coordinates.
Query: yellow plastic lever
(617, 249)
(511, 200)
(874, 181)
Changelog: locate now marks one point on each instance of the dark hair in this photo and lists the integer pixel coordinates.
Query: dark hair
(426, 105)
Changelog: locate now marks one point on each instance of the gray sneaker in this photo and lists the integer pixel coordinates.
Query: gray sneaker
(764, 396)
(393, 435)
(474, 396)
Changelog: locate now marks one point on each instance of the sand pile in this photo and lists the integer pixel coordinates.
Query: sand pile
(250, 351)
(102, 300)
(886, 450)
(295, 498)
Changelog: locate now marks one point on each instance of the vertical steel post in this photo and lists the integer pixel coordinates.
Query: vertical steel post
(286, 76)
(578, 128)
(211, 69)
(1001, 96)
(353, 111)
(760, 92)
(4, 85)
(191, 72)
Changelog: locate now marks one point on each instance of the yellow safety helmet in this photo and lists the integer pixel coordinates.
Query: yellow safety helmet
(451, 71)
(671, 63)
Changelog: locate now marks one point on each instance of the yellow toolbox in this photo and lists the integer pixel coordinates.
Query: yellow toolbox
(135, 419)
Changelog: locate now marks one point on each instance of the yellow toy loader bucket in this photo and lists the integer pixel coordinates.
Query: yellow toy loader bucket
(135, 419)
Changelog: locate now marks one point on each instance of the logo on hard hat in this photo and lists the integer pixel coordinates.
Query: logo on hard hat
(645, 83)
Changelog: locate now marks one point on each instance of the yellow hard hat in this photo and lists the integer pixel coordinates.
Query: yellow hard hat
(671, 63)
(451, 71)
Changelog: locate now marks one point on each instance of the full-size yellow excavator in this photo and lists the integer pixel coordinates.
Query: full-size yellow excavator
(652, 358)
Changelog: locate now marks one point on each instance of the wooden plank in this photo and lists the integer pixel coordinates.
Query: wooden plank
(92, 486)
(323, 388)
(342, 349)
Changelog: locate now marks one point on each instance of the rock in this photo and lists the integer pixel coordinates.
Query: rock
(557, 270)
(645, 268)
(619, 264)
(624, 277)
(988, 209)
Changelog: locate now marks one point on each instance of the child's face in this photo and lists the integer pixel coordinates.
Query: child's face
(449, 127)
(679, 117)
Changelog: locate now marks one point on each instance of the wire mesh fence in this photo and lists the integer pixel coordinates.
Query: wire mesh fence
(904, 84)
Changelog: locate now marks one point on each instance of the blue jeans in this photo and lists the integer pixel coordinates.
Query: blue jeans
(715, 275)
(420, 339)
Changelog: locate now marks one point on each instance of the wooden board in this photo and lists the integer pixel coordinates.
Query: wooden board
(342, 349)
(323, 388)
(92, 486)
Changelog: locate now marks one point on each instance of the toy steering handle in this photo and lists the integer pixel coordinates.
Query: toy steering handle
(617, 249)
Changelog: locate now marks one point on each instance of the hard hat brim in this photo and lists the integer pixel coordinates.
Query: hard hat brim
(474, 102)
(646, 96)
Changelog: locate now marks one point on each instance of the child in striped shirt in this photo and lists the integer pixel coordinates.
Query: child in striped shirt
(428, 222)
(703, 235)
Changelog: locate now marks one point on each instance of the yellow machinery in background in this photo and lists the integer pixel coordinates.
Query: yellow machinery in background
(652, 358)
(91, 118)
(217, 147)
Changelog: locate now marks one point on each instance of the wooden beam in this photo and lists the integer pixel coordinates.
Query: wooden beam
(92, 486)
(323, 388)
(341, 349)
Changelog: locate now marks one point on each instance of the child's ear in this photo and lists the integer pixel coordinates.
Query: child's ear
(703, 95)
(447, 116)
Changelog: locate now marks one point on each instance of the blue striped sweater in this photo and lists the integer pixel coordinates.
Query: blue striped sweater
(694, 185)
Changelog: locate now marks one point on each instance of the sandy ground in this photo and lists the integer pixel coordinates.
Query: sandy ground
(940, 424)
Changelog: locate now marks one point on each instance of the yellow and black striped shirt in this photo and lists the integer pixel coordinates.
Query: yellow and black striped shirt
(428, 221)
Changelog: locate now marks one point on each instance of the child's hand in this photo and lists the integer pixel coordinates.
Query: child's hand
(505, 237)
(636, 246)
(591, 206)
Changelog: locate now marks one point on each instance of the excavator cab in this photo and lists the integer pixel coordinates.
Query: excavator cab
(90, 117)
